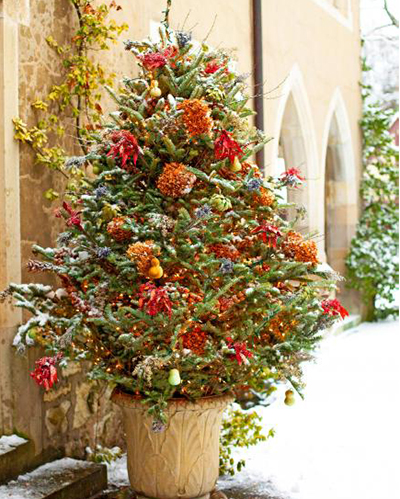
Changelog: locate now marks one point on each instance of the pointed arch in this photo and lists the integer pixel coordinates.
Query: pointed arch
(339, 174)
(294, 139)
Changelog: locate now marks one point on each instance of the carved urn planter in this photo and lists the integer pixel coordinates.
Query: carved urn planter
(183, 460)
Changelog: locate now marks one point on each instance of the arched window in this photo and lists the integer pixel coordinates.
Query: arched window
(292, 154)
(340, 185)
(294, 144)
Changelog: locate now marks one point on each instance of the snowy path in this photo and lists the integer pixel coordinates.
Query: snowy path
(342, 441)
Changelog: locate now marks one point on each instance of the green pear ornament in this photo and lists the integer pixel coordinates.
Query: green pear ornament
(174, 377)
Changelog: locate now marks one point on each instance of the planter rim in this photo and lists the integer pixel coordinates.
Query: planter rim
(125, 399)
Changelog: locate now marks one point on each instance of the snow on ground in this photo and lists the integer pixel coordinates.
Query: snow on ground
(117, 472)
(342, 441)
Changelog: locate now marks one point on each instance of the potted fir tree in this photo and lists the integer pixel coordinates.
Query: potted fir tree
(180, 279)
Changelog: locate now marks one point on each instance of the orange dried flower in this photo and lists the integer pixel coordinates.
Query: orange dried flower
(296, 247)
(195, 339)
(141, 254)
(116, 230)
(196, 117)
(222, 250)
(264, 197)
(246, 243)
(175, 181)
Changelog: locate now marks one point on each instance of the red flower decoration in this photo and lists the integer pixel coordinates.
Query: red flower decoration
(153, 60)
(154, 299)
(226, 147)
(125, 147)
(212, 67)
(334, 307)
(74, 216)
(45, 373)
(241, 352)
(171, 51)
(269, 233)
(292, 177)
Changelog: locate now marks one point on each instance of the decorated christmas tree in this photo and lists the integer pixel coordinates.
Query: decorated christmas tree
(178, 273)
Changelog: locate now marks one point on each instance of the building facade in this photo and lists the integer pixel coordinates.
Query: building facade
(312, 105)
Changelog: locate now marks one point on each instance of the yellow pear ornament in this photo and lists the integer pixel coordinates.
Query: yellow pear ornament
(155, 271)
(289, 397)
(154, 90)
(236, 166)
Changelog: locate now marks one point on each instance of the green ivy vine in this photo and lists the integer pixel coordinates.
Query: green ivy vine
(372, 263)
(78, 95)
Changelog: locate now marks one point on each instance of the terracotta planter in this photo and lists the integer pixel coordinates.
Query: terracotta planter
(183, 460)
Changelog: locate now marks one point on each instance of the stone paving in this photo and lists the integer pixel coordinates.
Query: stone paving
(231, 493)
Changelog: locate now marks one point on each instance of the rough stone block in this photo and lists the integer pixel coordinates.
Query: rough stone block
(82, 410)
(55, 394)
(71, 369)
(14, 455)
(62, 479)
(56, 418)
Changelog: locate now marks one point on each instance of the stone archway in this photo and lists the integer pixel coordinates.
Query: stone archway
(295, 146)
(292, 154)
(340, 185)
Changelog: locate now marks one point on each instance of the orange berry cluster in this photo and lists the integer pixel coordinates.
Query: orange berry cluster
(296, 247)
(222, 250)
(195, 339)
(196, 117)
(190, 297)
(175, 181)
(227, 303)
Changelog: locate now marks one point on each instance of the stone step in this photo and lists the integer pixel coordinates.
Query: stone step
(15, 453)
(123, 492)
(62, 479)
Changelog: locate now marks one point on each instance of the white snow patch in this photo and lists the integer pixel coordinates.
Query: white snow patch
(9, 442)
(340, 442)
(117, 472)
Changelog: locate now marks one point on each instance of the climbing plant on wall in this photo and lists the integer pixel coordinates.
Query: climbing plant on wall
(372, 263)
(77, 95)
